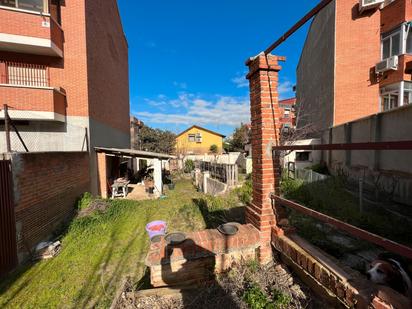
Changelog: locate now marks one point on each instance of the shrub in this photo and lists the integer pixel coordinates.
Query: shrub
(189, 166)
(245, 192)
(214, 148)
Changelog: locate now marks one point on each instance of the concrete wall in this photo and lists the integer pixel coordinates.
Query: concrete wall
(314, 156)
(315, 72)
(46, 187)
(394, 167)
(49, 136)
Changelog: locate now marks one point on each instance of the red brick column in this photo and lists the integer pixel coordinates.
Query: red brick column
(102, 174)
(263, 81)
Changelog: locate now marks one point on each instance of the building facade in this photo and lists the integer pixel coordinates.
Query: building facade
(355, 62)
(64, 75)
(287, 113)
(198, 140)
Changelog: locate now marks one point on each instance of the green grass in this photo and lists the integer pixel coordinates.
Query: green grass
(100, 250)
(331, 198)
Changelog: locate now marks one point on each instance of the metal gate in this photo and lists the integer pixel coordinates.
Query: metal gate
(8, 246)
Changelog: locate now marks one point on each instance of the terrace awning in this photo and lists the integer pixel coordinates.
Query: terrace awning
(134, 153)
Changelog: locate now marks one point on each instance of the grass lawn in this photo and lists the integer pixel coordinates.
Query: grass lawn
(331, 198)
(100, 250)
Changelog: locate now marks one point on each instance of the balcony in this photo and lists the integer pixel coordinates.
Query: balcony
(395, 13)
(25, 89)
(29, 29)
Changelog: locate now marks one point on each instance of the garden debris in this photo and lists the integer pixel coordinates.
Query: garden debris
(95, 205)
(272, 285)
(47, 250)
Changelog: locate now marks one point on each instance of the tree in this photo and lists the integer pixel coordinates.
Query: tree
(239, 139)
(214, 148)
(157, 140)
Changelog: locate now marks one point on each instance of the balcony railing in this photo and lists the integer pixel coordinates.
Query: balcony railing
(24, 74)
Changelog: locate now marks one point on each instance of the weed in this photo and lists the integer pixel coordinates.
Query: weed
(280, 299)
(256, 298)
(253, 265)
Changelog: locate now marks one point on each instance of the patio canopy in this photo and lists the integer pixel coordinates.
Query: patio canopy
(134, 153)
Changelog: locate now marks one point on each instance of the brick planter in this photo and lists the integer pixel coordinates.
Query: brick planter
(201, 256)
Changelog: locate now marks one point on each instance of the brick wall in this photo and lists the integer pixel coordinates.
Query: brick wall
(107, 60)
(395, 13)
(34, 99)
(46, 186)
(25, 24)
(201, 256)
(319, 270)
(356, 92)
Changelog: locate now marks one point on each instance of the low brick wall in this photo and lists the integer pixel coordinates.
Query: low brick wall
(348, 286)
(201, 256)
(46, 187)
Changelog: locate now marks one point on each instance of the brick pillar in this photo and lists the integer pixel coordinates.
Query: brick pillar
(102, 174)
(263, 81)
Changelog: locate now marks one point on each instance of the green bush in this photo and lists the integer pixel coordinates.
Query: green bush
(244, 193)
(214, 148)
(189, 166)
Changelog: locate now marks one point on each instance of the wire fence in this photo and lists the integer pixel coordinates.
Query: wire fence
(309, 176)
(43, 136)
(226, 173)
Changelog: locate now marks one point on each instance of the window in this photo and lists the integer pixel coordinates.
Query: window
(192, 138)
(198, 138)
(302, 156)
(391, 44)
(407, 93)
(409, 39)
(391, 98)
(30, 5)
(286, 113)
(397, 42)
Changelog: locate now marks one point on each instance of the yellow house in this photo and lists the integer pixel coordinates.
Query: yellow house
(198, 140)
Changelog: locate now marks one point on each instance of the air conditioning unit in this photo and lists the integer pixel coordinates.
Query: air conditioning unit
(369, 4)
(198, 138)
(387, 65)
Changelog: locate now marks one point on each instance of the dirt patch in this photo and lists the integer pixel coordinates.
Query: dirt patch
(246, 285)
(94, 206)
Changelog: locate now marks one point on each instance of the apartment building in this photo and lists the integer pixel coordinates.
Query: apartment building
(64, 75)
(356, 62)
(287, 113)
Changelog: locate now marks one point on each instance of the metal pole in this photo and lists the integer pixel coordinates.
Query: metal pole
(361, 194)
(299, 24)
(7, 127)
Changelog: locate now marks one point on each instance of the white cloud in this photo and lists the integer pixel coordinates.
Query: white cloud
(240, 81)
(221, 110)
(285, 89)
(180, 85)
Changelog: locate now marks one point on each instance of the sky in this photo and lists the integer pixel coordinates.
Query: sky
(187, 57)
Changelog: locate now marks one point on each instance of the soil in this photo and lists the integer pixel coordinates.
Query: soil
(227, 291)
(95, 205)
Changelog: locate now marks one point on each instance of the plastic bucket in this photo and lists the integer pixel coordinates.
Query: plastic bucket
(156, 228)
